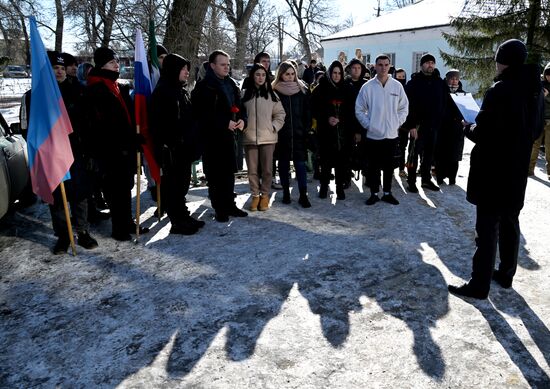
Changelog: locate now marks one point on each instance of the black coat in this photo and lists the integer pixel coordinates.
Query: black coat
(328, 99)
(510, 119)
(353, 91)
(110, 135)
(427, 101)
(450, 138)
(213, 112)
(292, 137)
(173, 126)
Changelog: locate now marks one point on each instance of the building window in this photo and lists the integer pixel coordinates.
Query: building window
(392, 58)
(417, 56)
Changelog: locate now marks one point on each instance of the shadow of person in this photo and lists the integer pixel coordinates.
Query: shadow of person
(509, 302)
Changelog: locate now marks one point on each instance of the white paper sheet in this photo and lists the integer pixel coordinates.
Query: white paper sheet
(466, 105)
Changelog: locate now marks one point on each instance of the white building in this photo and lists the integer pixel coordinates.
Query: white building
(405, 35)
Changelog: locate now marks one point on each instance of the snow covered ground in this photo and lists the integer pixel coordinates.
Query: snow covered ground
(341, 295)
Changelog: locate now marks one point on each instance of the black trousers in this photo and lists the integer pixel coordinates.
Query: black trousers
(403, 142)
(425, 149)
(380, 157)
(445, 168)
(495, 227)
(339, 160)
(221, 186)
(174, 187)
(117, 187)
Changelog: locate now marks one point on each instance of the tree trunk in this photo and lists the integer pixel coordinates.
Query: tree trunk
(183, 28)
(108, 20)
(59, 26)
(305, 40)
(7, 40)
(237, 64)
(535, 55)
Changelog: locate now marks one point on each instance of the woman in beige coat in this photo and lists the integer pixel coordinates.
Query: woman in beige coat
(266, 117)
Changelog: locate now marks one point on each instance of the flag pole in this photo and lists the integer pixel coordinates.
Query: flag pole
(159, 211)
(67, 217)
(138, 188)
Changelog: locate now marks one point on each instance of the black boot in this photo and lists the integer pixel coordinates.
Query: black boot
(286, 195)
(340, 194)
(323, 191)
(303, 200)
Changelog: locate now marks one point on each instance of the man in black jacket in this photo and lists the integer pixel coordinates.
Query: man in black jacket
(427, 94)
(220, 113)
(509, 121)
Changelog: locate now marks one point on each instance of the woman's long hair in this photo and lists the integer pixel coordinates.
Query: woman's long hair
(283, 67)
(264, 90)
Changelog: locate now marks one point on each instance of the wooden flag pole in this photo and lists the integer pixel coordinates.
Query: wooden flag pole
(138, 188)
(67, 217)
(159, 211)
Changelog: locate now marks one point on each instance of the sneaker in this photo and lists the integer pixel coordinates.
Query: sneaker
(412, 188)
(467, 290)
(372, 199)
(430, 185)
(388, 198)
(85, 240)
(236, 212)
(61, 246)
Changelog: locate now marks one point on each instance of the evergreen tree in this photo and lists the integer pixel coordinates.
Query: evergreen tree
(484, 24)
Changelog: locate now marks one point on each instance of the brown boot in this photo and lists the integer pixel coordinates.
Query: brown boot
(254, 203)
(264, 203)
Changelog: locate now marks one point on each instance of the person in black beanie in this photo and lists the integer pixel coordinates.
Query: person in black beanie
(427, 94)
(510, 119)
(71, 66)
(111, 139)
(173, 129)
(161, 54)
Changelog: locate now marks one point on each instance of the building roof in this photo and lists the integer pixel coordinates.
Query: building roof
(423, 14)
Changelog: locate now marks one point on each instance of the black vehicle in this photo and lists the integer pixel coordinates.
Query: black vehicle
(14, 167)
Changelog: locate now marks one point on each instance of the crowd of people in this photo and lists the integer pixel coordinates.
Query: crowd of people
(347, 117)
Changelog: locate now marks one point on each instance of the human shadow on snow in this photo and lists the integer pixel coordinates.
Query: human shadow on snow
(233, 277)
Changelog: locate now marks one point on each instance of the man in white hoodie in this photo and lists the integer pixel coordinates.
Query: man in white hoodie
(381, 108)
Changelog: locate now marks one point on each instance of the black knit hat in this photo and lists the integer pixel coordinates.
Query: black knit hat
(427, 57)
(161, 50)
(69, 59)
(56, 58)
(102, 55)
(511, 52)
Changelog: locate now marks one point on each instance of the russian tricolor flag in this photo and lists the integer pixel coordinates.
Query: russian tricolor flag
(49, 149)
(142, 94)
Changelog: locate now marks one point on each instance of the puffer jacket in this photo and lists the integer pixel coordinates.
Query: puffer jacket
(265, 118)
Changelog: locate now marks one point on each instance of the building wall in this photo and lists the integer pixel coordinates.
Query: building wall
(403, 44)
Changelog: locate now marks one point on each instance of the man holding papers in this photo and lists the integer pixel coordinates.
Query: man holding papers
(504, 130)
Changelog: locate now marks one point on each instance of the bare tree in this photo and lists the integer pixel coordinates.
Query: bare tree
(262, 29)
(59, 25)
(239, 12)
(312, 17)
(184, 27)
(95, 18)
(216, 32)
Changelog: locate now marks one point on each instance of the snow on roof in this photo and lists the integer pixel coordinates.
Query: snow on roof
(425, 13)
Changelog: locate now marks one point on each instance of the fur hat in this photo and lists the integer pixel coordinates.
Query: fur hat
(511, 52)
(56, 58)
(102, 55)
(427, 57)
(452, 73)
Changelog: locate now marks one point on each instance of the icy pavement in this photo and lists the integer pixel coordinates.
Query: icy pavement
(341, 295)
